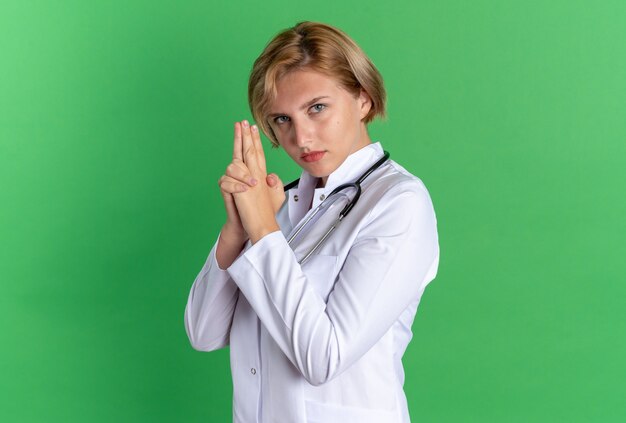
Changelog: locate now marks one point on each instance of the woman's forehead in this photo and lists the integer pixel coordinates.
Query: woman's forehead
(297, 88)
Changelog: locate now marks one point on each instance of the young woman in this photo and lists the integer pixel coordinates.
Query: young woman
(317, 325)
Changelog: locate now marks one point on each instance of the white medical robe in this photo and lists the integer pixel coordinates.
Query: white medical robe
(323, 342)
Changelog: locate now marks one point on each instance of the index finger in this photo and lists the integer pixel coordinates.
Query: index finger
(256, 140)
(238, 143)
(246, 136)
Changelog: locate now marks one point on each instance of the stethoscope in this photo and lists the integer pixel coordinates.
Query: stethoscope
(346, 210)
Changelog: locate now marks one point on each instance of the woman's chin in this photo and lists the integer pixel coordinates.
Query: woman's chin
(318, 173)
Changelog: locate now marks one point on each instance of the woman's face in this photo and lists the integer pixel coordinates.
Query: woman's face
(317, 122)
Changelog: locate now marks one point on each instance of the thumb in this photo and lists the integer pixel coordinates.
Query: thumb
(274, 181)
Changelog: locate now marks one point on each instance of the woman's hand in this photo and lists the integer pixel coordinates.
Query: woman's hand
(237, 179)
(256, 205)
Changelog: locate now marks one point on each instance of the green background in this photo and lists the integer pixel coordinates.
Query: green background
(116, 123)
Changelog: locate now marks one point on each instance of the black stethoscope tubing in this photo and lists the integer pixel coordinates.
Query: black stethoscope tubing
(346, 210)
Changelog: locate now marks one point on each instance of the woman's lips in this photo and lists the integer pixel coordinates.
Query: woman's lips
(313, 156)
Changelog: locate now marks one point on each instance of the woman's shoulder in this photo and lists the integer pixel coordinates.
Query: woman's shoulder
(394, 179)
(396, 200)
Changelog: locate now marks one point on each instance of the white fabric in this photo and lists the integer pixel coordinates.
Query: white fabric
(323, 342)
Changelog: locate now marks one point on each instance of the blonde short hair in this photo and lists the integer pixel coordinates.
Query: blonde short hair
(319, 47)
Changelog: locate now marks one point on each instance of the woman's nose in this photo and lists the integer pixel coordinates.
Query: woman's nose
(302, 133)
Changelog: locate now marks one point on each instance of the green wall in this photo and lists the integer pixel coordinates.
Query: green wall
(116, 123)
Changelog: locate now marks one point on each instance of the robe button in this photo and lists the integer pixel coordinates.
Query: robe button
(322, 197)
(253, 371)
(295, 198)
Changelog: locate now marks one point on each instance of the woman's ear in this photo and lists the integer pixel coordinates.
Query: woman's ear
(365, 103)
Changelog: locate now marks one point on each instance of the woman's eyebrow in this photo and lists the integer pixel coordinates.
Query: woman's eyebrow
(304, 106)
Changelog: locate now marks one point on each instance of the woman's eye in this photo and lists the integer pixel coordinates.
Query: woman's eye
(318, 107)
(281, 119)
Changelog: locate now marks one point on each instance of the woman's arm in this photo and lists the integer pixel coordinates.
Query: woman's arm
(213, 296)
(392, 260)
(211, 305)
